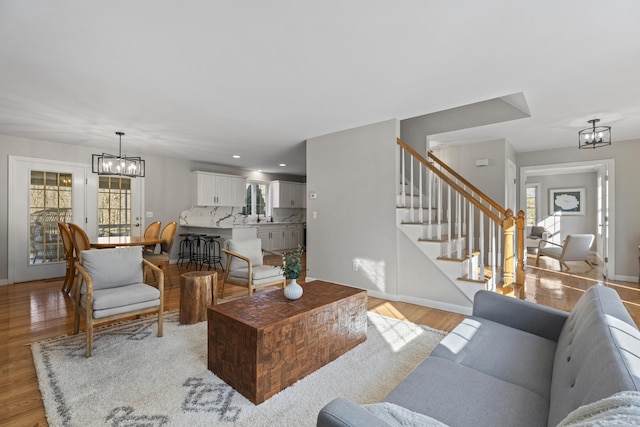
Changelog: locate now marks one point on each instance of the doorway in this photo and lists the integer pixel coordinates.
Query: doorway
(603, 215)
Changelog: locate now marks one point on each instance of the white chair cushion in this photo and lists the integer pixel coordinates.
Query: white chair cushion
(259, 273)
(553, 251)
(251, 248)
(123, 296)
(113, 267)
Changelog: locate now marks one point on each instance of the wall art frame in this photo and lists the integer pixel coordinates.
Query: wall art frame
(567, 201)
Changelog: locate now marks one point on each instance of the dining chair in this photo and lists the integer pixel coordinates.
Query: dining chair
(245, 266)
(113, 288)
(153, 230)
(162, 259)
(79, 238)
(69, 256)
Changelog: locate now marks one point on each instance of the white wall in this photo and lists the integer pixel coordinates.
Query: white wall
(353, 174)
(488, 179)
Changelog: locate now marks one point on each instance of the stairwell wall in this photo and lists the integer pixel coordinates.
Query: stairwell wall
(351, 223)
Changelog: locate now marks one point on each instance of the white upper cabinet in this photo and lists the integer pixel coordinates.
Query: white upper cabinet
(288, 194)
(213, 189)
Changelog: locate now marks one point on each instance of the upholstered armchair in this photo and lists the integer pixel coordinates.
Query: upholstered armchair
(535, 235)
(245, 266)
(113, 288)
(575, 247)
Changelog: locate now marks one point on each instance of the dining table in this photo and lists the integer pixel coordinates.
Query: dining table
(115, 241)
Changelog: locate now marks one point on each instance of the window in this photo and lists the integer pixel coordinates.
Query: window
(256, 200)
(531, 209)
(114, 206)
(49, 202)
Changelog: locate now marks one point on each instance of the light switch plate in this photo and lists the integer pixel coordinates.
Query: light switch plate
(149, 214)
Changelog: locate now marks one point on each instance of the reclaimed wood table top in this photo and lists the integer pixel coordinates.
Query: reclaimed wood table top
(266, 308)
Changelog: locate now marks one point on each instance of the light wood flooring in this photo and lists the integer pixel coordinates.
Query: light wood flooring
(34, 311)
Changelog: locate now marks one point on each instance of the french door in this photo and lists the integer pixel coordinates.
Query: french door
(43, 192)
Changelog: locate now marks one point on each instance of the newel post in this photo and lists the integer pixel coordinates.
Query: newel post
(520, 271)
(509, 261)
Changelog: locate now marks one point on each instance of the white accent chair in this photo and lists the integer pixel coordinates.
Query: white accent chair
(245, 266)
(113, 288)
(575, 247)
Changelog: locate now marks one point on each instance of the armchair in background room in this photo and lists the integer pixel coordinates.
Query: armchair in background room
(575, 247)
(113, 288)
(245, 266)
(534, 235)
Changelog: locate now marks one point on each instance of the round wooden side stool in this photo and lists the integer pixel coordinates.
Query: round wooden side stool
(197, 293)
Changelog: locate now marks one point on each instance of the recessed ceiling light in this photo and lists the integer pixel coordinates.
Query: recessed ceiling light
(283, 164)
(236, 156)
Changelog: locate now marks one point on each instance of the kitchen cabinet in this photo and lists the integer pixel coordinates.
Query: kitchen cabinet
(279, 237)
(212, 189)
(288, 194)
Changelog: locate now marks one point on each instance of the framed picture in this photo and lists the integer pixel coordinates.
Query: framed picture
(566, 201)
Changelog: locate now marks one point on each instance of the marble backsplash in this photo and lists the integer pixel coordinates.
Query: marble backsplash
(226, 216)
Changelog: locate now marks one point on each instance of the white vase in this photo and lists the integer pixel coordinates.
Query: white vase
(293, 290)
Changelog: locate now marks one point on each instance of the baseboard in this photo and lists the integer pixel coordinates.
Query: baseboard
(633, 279)
(4, 282)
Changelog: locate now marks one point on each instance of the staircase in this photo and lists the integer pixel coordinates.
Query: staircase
(466, 235)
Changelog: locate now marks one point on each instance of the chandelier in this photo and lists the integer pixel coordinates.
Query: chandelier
(108, 164)
(595, 136)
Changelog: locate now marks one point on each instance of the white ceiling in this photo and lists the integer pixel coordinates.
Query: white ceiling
(203, 80)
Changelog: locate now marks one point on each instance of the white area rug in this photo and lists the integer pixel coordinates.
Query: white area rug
(135, 378)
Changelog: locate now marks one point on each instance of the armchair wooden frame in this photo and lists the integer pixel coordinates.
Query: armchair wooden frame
(88, 313)
(247, 283)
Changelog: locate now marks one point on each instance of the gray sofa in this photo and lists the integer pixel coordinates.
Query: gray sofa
(515, 363)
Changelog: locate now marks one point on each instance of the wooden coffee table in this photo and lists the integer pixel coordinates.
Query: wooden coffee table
(262, 344)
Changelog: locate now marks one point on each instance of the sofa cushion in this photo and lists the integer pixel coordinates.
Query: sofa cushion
(598, 353)
(460, 396)
(99, 264)
(506, 353)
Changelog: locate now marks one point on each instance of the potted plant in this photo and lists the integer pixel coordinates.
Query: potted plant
(291, 268)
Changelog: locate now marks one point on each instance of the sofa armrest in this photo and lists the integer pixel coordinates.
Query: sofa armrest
(344, 413)
(523, 315)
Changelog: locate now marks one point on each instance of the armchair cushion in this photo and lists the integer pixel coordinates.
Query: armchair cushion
(99, 265)
(536, 231)
(261, 274)
(109, 305)
(251, 248)
(123, 296)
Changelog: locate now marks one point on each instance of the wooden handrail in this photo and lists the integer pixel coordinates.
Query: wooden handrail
(509, 223)
(492, 215)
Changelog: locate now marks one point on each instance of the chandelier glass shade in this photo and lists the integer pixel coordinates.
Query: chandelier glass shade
(595, 136)
(108, 164)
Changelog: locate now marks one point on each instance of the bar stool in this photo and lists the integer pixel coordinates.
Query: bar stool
(186, 247)
(211, 252)
(197, 250)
